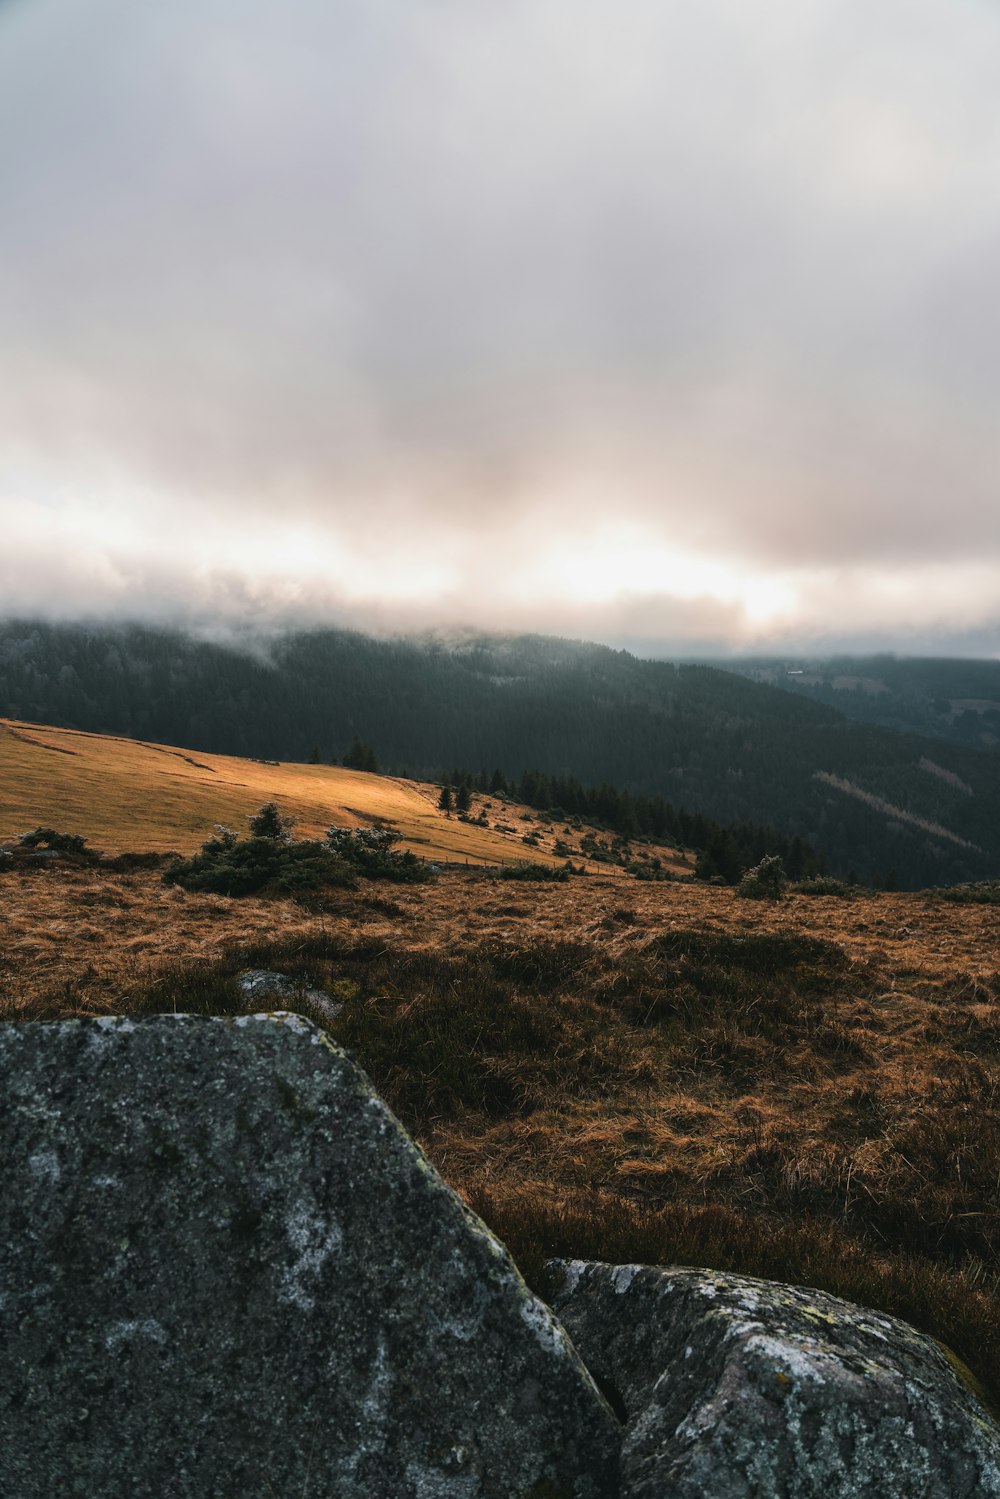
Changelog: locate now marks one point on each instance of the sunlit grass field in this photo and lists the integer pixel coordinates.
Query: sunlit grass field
(125, 795)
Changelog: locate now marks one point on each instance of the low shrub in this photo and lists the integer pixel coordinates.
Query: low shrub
(766, 881)
(267, 822)
(982, 893)
(271, 861)
(823, 884)
(373, 852)
(527, 871)
(129, 863)
(232, 866)
(60, 843)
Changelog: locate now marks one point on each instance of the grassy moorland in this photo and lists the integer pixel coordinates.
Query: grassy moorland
(807, 1089)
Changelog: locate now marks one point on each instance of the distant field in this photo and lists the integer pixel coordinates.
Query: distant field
(125, 795)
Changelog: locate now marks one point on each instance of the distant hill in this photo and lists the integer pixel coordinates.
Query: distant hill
(889, 806)
(946, 699)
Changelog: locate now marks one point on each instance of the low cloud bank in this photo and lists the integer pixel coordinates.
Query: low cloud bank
(668, 324)
(930, 611)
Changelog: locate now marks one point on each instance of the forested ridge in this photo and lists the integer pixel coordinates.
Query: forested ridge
(710, 741)
(944, 698)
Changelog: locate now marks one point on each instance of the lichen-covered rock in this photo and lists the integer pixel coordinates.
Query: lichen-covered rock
(733, 1388)
(227, 1273)
(265, 987)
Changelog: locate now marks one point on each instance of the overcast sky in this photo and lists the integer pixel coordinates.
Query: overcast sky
(660, 323)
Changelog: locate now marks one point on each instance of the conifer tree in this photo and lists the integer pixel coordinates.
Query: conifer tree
(267, 822)
(361, 756)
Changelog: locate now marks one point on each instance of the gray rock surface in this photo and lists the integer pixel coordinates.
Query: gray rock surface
(734, 1388)
(226, 1272)
(265, 987)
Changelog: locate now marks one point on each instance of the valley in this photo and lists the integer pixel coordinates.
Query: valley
(711, 743)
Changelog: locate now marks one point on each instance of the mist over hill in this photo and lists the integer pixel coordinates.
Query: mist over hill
(883, 804)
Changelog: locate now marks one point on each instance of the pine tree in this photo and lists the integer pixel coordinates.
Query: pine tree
(361, 756)
(463, 799)
(267, 822)
(445, 800)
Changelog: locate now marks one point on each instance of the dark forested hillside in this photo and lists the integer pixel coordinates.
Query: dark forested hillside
(886, 805)
(948, 699)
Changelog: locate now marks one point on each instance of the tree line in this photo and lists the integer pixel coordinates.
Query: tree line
(725, 851)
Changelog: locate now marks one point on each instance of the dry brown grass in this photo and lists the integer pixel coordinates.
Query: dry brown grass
(820, 1077)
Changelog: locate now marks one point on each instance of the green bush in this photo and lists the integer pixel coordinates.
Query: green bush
(766, 881)
(822, 884)
(983, 893)
(271, 861)
(60, 843)
(373, 852)
(228, 865)
(524, 870)
(267, 822)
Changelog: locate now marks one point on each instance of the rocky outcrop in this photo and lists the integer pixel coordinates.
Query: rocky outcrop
(733, 1388)
(226, 1271)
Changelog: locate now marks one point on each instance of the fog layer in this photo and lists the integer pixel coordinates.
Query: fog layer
(652, 322)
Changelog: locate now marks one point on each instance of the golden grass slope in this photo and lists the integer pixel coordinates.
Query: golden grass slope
(127, 795)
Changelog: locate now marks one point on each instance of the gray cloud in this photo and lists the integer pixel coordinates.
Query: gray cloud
(384, 311)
